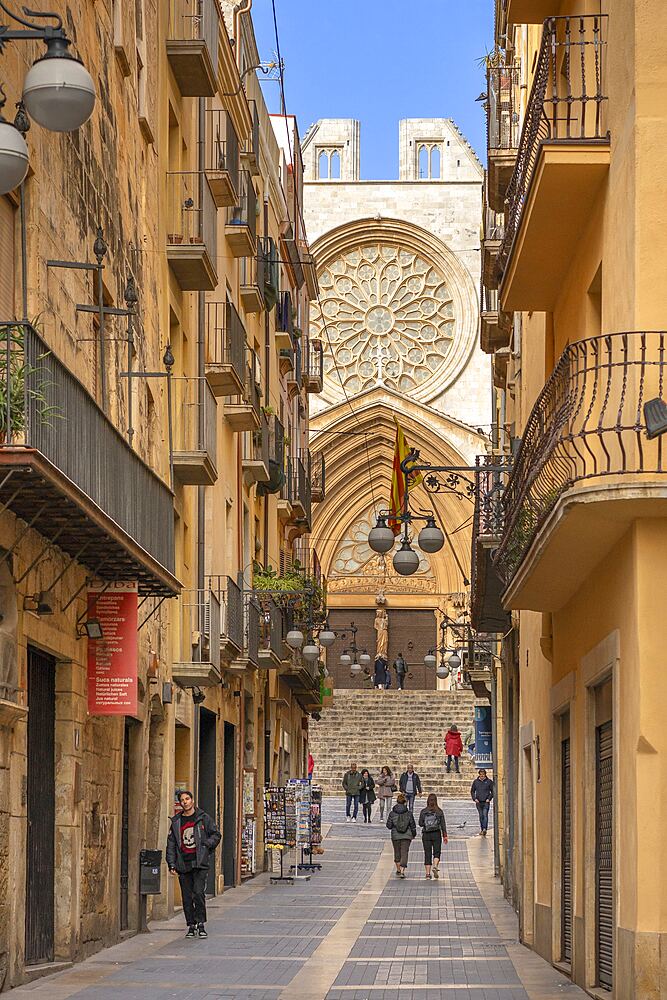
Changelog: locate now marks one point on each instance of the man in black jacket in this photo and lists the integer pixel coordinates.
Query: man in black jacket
(193, 837)
(481, 792)
(411, 786)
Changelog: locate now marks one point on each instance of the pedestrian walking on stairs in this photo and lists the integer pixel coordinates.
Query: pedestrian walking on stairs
(411, 786)
(352, 783)
(386, 787)
(380, 673)
(403, 828)
(453, 748)
(434, 834)
(367, 794)
(481, 792)
(401, 668)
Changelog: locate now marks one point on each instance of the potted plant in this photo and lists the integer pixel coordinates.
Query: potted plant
(25, 382)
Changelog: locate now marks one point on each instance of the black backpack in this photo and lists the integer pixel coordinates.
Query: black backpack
(431, 822)
(402, 821)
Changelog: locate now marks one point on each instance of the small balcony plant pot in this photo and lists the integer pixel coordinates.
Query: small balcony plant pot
(175, 238)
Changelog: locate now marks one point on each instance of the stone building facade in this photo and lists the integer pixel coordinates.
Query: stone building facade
(136, 459)
(398, 266)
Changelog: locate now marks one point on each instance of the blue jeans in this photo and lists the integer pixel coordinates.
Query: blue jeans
(450, 758)
(483, 810)
(411, 800)
(349, 799)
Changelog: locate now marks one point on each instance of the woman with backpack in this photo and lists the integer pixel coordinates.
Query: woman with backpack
(401, 822)
(386, 786)
(434, 834)
(367, 794)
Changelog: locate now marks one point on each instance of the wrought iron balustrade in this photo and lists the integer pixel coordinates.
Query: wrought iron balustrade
(83, 466)
(587, 426)
(197, 654)
(244, 213)
(315, 361)
(567, 103)
(284, 314)
(194, 419)
(221, 146)
(271, 627)
(318, 478)
(230, 599)
(503, 121)
(225, 338)
(253, 272)
(252, 614)
(191, 211)
(301, 488)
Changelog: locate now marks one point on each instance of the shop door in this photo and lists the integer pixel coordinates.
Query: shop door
(604, 871)
(566, 854)
(125, 832)
(41, 808)
(206, 793)
(229, 810)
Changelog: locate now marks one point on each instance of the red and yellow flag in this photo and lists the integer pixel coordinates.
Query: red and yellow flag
(397, 498)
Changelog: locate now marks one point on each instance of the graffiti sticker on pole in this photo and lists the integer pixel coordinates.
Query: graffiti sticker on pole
(112, 658)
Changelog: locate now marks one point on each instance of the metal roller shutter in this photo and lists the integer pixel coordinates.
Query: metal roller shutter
(604, 871)
(566, 853)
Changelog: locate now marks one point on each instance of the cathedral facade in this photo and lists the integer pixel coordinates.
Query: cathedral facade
(398, 265)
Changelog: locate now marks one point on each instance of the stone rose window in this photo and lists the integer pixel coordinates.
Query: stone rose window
(390, 319)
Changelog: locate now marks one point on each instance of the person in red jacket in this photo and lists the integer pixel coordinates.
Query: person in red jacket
(453, 748)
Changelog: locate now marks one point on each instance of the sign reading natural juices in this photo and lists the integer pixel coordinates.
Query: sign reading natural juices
(112, 660)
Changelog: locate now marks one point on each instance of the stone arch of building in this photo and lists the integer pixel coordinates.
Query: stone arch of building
(358, 449)
(363, 232)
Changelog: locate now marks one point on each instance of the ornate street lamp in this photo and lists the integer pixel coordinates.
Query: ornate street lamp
(381, 538)
(430, 538)
(58, 91)
(406, 560)
(311, 652)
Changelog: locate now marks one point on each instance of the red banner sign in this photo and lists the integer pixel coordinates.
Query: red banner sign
(112, 660)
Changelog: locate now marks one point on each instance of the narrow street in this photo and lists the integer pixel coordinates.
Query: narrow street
(351, 932)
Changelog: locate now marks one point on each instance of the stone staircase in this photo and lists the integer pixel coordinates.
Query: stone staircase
(393, 728)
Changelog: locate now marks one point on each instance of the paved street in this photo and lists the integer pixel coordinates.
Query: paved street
(353, 931)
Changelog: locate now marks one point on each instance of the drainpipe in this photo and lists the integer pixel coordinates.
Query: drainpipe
(201, 356)
(494, 751)
(241, 8)
(267, 384)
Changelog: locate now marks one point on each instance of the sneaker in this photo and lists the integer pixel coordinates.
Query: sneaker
(403, 875)
(192, 931)
(202, 931)
(354, 820)
(427, 876)
(399, 874)
(347, 819)
(436, 873)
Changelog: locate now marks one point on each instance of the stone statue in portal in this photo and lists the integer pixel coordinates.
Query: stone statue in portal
(382, 630)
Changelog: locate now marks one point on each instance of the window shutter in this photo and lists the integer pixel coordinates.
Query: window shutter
(7, 258)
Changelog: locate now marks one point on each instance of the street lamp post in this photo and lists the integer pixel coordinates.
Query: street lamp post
(58, 91)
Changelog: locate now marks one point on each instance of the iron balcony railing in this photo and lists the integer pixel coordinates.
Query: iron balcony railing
(315, 360)
(252, 614)
(251, 147)
(48, 409)
(225, 337)
(276, 439)
(194, 21)
(318, 478)
(284, 314)
(287, 489)
(296, 374)
(271, 627)
(191, 211)
(255, 447)
(244, 213)
(587, 425)
(253, 270)
(567, 103)
(301, 483)
(488, 299)
(222, 146)
(199, 627)
(230, 599)
(194, 417)
(503, 118)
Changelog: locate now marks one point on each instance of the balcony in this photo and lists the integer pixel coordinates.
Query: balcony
(503, 130)
(249, 656)
(495, 326)
(253, 273)
(69, 474)
(585, 469)
(241, 226)
(492, 238)
(526, 11)
(301, 497)
(192, 242)
(230, 599)
(501, 360)
(310, 271)
(318, 479)
(563, 160)
(303, 678)
(251, 146)
(490, 479)
(222, 157)
(225, 349)
(194, 430)
(276, 451)
(272, 650)
(243, 412)
(313, 375)
(284, 322)
(255, 454)
(197, 658)
(192, 46)
(294, 376)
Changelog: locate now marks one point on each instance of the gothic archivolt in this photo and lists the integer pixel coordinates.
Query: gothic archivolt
(399, 310)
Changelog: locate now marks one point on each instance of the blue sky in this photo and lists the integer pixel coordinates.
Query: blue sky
(379, 61)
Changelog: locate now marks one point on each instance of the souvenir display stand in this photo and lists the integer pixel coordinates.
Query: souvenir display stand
(276, 838)
(302, 792)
